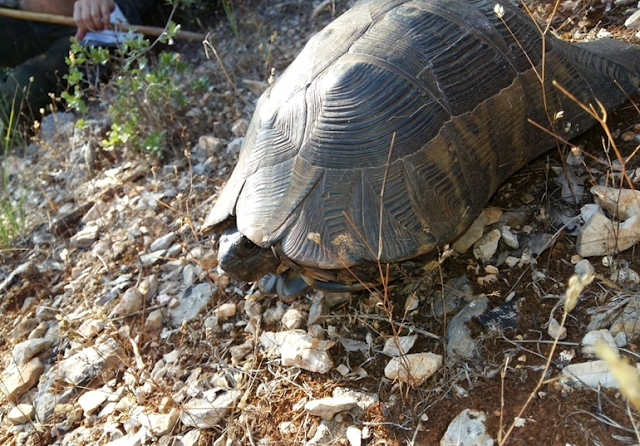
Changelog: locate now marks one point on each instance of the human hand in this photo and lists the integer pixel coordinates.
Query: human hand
(92, 15)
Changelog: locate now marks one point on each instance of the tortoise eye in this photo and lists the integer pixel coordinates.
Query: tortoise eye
(247, 247)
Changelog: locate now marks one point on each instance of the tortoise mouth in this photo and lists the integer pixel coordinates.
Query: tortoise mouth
(242, 259)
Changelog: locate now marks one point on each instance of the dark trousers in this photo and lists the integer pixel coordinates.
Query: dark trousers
(35, 54)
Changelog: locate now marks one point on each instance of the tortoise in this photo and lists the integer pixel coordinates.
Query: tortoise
(387, 135)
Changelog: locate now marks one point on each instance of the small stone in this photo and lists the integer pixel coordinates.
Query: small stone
(412, 303)
(171, 357)
(91, 328)
(24, 351)
(57, 127)
(126, 440)
(587, 211)
(21, 414)
(174, 251)
(599, 236)
(627, 136)
(23, 328)
(363, 400)
(621, 340)
(149, 287)
(225, 311)
(252, 308)
(92, 400)
(354, 435)
(211, 323)
(472, 235)
(493, 214)
(318, 311)
(583, 268)
(292, 319)
(322, 437)
(101, 247)
(287, 428)
(234, 146)
(511, 261)
(327, 407)
(413, 369)
(460, 344)
(595, 336)
(194, 112)
(592, 374)
(210, 144)
(509, 238)
(298, 348)
(538, 243)
(23, 271)
(192, 301)
(625, 276)
(467, 429)
(491, 269)
(17, 380)
(301, 350)
(457, 293)
(487, 246)
(399, 345)
(75, 371)
(633, 21)
(628, 322)
(354, 345)
(239, 128)
(203, 413)
(621, 203)
(572, 186)
(107, 410)
(130, 303)
(238, 352)
(154, 320)
(555, 331)
(86, 237)
(188, 275)
(97, 212)
(151, 258)
(274, 314)
(41, 330)
(160, 424)
(299, 406)
(191, 438)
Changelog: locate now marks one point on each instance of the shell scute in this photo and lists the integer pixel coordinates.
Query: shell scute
(391, 130)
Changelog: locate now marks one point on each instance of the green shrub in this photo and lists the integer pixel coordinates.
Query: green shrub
(143, 95)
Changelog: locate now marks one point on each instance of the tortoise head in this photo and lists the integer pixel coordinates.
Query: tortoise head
(242, 259)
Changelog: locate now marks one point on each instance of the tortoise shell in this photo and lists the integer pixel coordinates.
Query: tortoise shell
(387, 135)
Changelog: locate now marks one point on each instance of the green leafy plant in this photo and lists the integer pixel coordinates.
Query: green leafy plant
(143, 94)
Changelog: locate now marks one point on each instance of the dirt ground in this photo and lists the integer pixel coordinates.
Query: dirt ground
(508, 363)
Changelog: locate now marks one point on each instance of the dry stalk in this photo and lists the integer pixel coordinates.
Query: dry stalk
(209, 46)
(503, 375)
(625, 374)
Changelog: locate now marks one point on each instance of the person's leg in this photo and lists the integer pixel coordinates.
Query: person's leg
(19, 42)
(28, 85)
(37, 52)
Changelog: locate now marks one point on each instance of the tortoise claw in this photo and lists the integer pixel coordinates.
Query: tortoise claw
(287, 285)
(291, 284)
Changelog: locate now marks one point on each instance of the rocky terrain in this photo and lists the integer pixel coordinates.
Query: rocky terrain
(117, 329)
